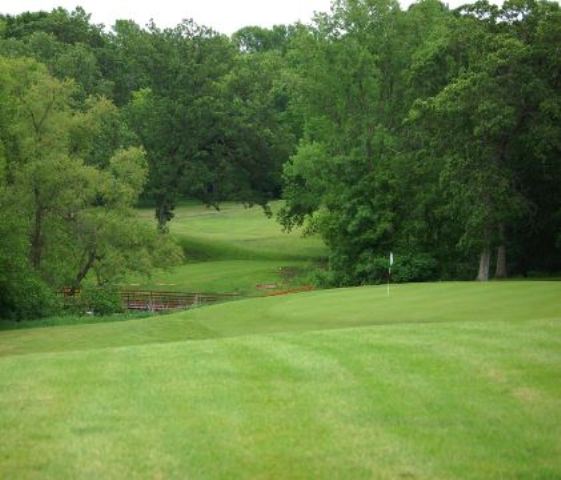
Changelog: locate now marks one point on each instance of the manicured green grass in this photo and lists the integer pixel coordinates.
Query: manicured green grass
(233, 249)
(231, 276)
(327, 309)
(238, 232)
(439, 381)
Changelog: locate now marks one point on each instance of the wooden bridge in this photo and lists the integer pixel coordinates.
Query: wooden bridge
(155, 301)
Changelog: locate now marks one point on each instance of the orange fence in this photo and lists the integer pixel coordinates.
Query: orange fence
(305, 288)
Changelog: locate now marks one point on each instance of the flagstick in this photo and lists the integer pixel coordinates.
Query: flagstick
(390, 271)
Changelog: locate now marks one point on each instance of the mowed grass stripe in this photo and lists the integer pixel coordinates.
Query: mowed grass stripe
(466, 400)
(334, 309)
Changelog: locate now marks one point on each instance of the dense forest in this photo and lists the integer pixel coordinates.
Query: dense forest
(430, 132)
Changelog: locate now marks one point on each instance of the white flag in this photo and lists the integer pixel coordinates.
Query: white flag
(391, 259)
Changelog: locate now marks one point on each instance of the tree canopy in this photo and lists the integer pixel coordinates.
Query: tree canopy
(424, 135)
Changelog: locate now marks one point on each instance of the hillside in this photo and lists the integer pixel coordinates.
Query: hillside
(234, 249)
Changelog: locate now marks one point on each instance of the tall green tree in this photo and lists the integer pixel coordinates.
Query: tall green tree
(349, 178)
(481, 124)
(68, 218)
(210, 118)
(430, 133)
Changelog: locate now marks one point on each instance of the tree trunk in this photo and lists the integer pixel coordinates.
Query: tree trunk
(91, 257)
(501, 271)
(164, 213)
(484, 265)
(162, 218)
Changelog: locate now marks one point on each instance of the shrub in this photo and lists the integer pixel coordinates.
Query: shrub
(321, 278)
(372, 268)
(25, 296)
(101, 300)
(419, 267)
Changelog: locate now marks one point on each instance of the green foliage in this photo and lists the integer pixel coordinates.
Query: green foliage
(104, 300)
(258, 40)
(421, 135)
(68, 27)
(23, 295)
(212, 120)
(414, 267)
(70, 188)
(407, 268)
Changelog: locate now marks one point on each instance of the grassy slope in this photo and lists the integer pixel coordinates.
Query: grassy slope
(438, 381)
(231, 250)
(332, 309)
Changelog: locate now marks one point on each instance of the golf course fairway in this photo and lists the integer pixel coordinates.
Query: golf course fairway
(436, 381)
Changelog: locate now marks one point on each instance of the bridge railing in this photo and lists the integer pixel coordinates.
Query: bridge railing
(155, 301)
(159, 301)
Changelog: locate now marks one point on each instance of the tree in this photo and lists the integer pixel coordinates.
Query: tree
(68, 218)
(349, 178)
(483, 117)
(428, 132)
(258, 39)
(209, 120)
(180, 91)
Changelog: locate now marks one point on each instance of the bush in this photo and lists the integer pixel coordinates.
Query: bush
(408, 267)
(372, 269)
(101, 300)
(321, 278)
(419, 267)
(26, 296)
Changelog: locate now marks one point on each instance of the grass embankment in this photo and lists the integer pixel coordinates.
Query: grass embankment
(71, 319)
(438, 381)
(233, 249)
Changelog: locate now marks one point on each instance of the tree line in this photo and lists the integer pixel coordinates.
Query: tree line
(430, 132)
